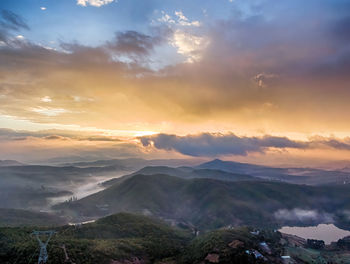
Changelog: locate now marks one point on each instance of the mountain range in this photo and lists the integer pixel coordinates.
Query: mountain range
(215, 199)
(208, 195)
(208, 203)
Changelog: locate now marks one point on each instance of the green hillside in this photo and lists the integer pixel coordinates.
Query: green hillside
(117, 237)
(135, 239)
(207, 203)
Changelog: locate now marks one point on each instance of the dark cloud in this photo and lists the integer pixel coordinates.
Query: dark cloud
(207, 144)
(211, 145)
(10, 21)
(55, 137)
(100, 138)
(341, 29)
(332, 143)
(133, 42)
(13, 21)
(9, 134)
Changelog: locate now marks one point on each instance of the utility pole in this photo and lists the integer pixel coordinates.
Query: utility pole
(43, 256)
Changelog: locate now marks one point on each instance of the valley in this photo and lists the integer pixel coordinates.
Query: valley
(195, 204)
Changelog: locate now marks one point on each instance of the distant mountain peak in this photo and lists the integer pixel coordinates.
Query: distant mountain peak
(216, 160)
(219, 161)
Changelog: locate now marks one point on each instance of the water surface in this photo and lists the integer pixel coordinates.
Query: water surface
(326, 232)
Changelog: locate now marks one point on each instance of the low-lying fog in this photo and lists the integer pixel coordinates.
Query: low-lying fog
(92, 185)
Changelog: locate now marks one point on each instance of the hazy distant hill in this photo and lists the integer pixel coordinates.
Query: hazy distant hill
(292, 175)
(4, 163)
(29, 186)
(211, 203)
(35, 186)
(16, 217)
(134, 163)
(186, 173)
(235, 171)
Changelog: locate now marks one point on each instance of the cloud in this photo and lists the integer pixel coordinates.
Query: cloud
(135, 43)
(302, 215)
(217, 144)
(184, 21)
(63, 145)
(189, 45)
(179, 20)
(96, 3)
(262, 78)
(232, 59)
(15, 135)
(49, 111)
(210, 145)
(186, 37)
(46, 99)
(10, 22)
(20, 143)
(55, 137)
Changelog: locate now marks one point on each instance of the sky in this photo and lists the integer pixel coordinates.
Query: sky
(257, 81)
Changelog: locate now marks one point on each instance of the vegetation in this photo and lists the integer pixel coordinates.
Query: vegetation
(211, 204)
(231, 246)
(185, 173)
(121, 236)
(17, 217)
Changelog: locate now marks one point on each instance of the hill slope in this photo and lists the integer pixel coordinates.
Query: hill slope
(208, 203)
(32, 186)
(186, 173)
(307, 176)
(16, 217)
(134, 239)
(117, 237)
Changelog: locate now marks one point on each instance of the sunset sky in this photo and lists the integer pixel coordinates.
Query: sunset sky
(259, 81)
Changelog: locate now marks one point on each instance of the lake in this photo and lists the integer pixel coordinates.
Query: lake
(326, 232)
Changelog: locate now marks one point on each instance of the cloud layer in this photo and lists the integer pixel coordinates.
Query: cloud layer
(48, 144)
(263, 69)
(212, 145)
(246, 72)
